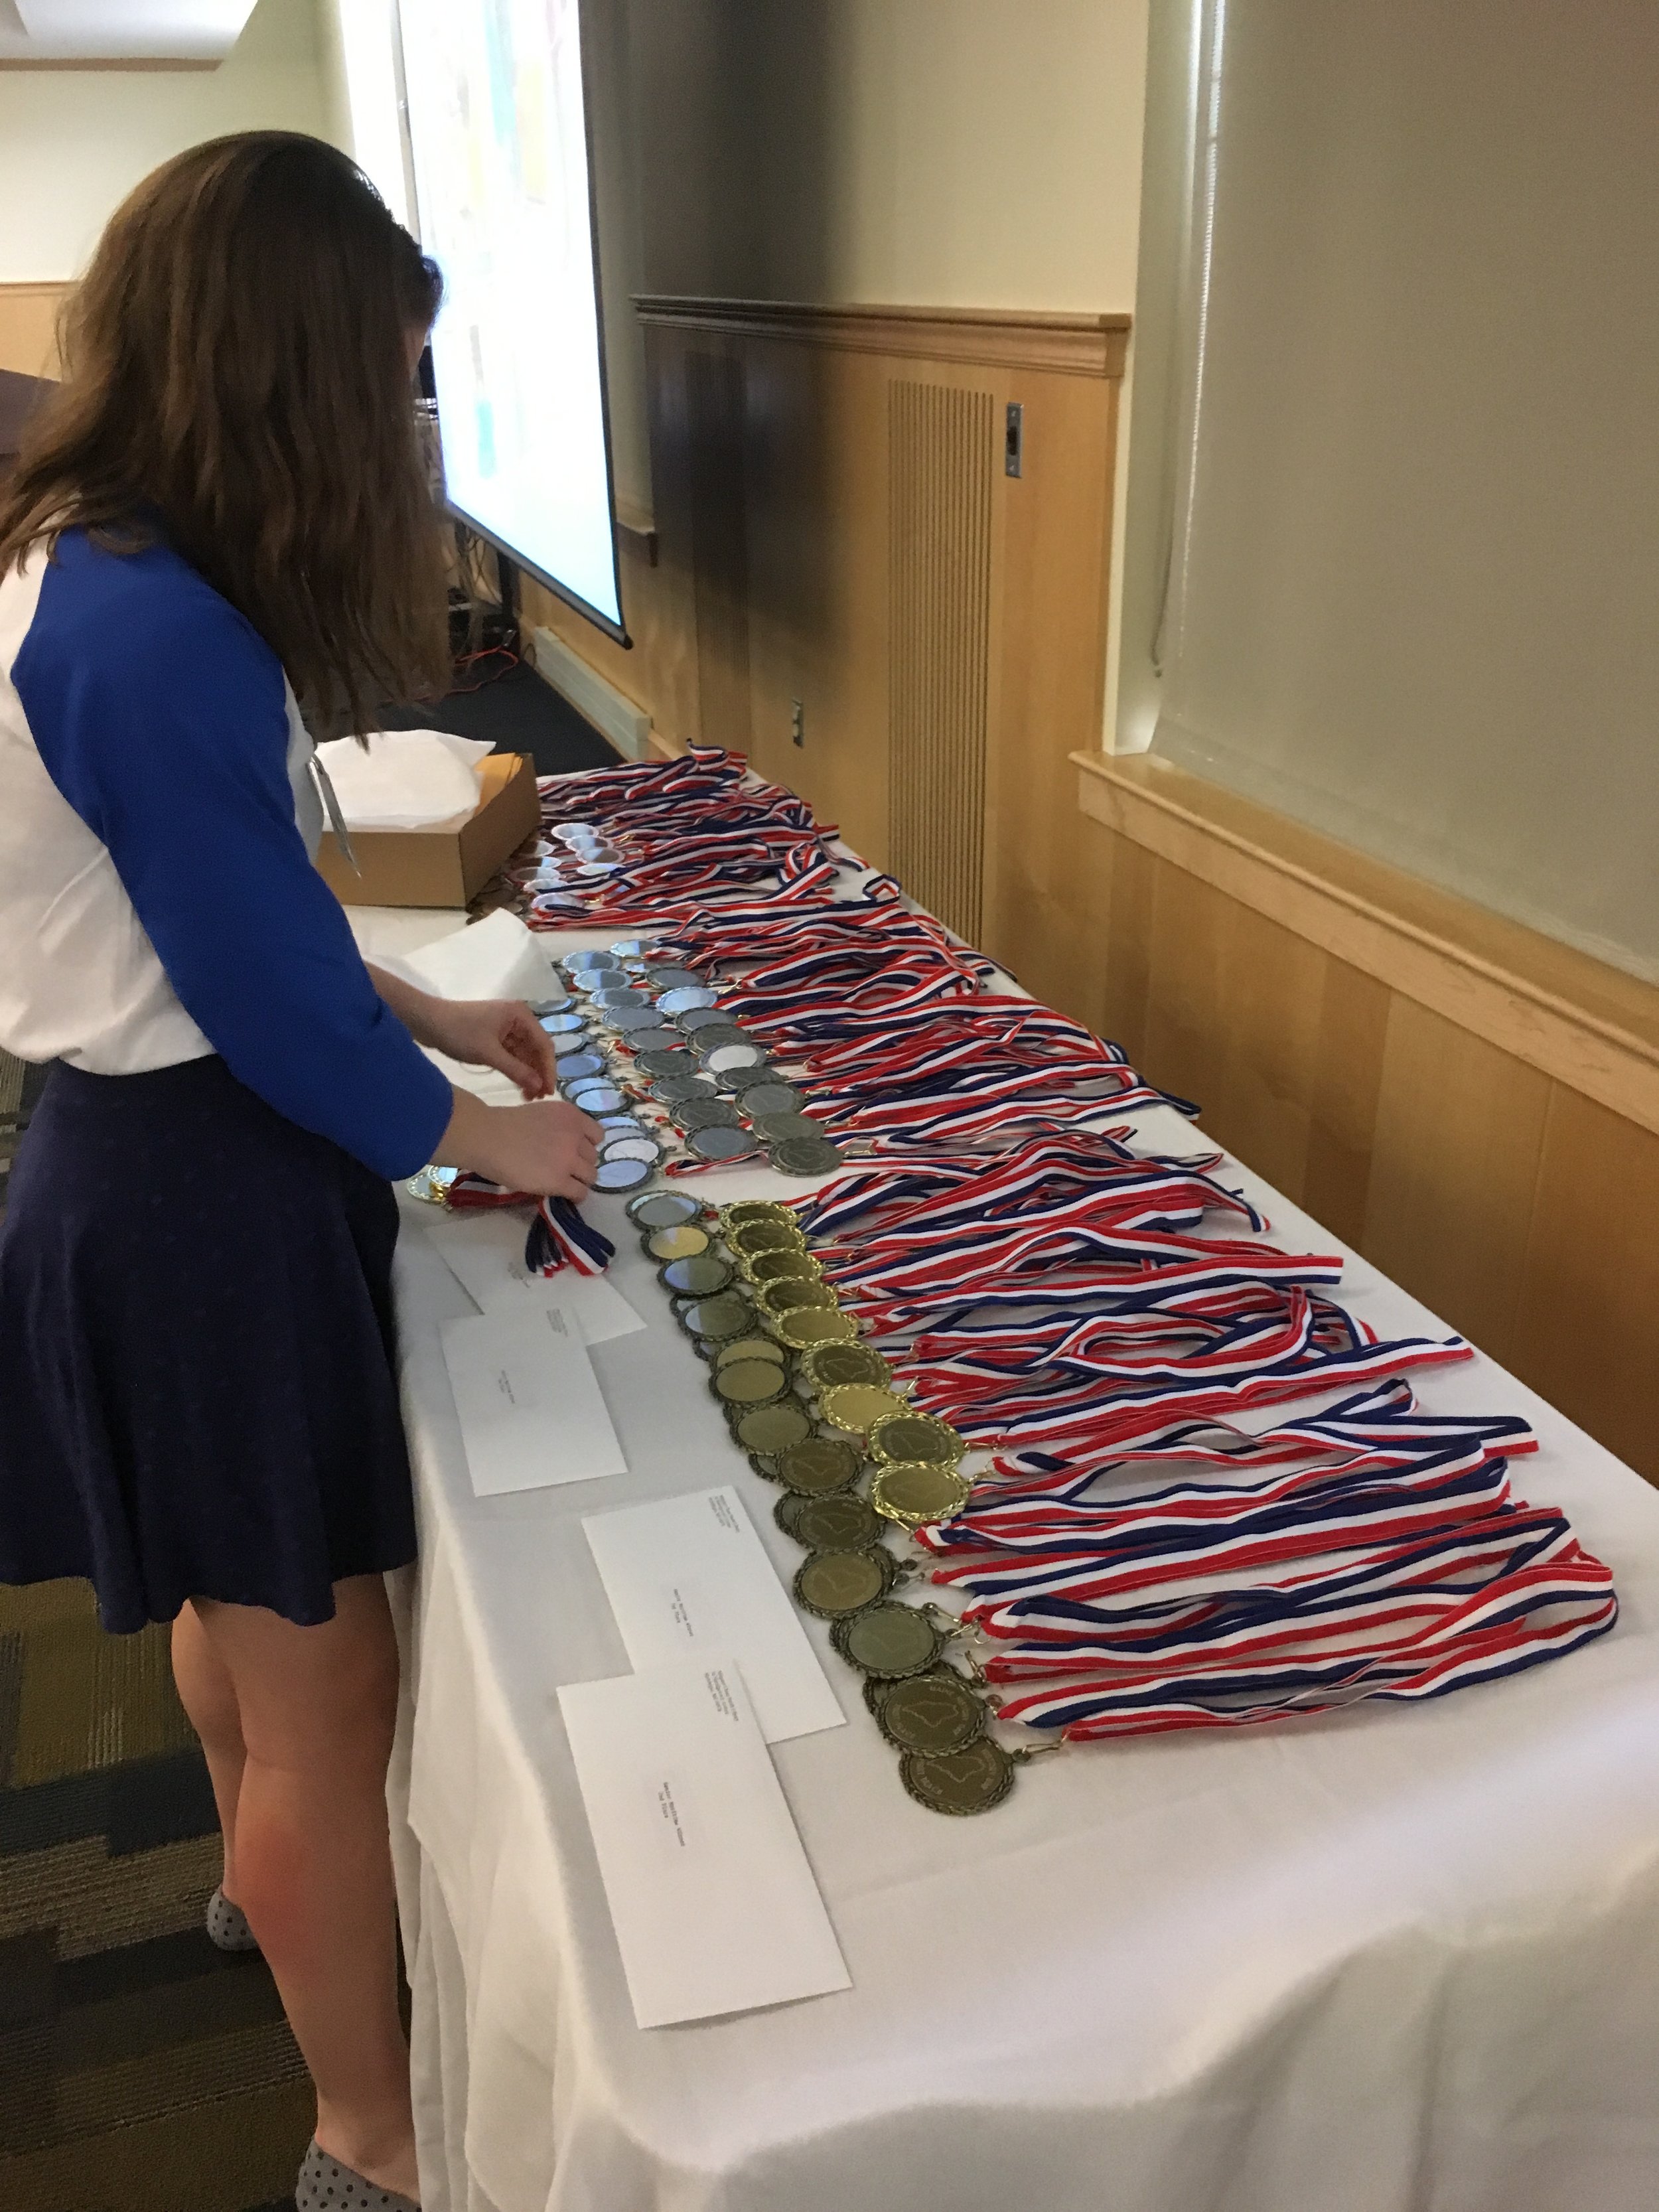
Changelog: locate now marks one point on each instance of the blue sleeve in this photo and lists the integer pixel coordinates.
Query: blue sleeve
(161, 716)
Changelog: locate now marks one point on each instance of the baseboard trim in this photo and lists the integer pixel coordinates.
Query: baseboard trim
(611, 712)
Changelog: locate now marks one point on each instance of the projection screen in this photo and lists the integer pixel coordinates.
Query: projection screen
(498, 137)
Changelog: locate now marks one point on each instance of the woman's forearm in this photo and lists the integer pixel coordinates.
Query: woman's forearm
(412, 1005)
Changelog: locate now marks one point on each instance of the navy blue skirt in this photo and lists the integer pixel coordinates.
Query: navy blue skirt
(198, 1390)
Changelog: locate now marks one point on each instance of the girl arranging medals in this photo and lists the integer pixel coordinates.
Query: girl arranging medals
(222, 519)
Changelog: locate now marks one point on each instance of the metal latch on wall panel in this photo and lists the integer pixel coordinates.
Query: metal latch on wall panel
(1013, 440)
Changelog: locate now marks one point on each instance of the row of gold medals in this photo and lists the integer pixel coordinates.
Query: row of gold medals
(817, 1411)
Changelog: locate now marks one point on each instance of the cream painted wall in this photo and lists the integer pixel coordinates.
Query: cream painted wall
(74, 143)
(920, 152)
(930, 152)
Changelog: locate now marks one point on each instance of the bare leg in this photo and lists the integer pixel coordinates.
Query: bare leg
(313, 1861)
(209, 1696)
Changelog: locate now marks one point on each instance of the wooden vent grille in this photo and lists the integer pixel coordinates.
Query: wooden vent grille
(941, 454)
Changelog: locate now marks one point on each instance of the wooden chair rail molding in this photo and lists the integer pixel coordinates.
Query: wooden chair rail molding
(1079, 346)
(1586, 1024)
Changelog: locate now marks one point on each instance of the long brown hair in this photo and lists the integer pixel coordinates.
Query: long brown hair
(237, 383)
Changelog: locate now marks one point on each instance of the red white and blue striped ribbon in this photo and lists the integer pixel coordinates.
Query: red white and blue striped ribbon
(558, 1237)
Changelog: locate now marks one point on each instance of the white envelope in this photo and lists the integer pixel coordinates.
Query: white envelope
(715, 1905)
(687, 1576)
(484, 1252)
(531, 1409)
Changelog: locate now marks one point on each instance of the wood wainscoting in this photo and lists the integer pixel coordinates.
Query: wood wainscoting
(29, 327)
(1472, 1105)
(835, 531)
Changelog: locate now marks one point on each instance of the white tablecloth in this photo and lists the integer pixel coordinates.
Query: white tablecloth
(1399, 1957)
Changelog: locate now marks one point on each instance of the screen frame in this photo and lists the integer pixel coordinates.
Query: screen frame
(618, 631)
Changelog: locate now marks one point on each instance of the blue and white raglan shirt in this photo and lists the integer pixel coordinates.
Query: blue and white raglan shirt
(158, 902)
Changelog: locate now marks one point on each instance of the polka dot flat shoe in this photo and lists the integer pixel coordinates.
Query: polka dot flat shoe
(228, 1924)
(326, 2185)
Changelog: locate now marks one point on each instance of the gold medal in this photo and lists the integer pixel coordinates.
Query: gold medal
(829, 1363)
(757, 1209)
(791, 1291)
(752, 1347)
(749, 1382)
(892, 1639)
(934, 1713)
(697, 1276)
(809, 1325)
(832, 1584)
(789, 1259)
(856, 1407)
(915, 1492)
(907, 1436)
(971, 1780)
(773, 1428)
(841, 1521)
(746, 1238)
(725, 1314)
(682, 1242)
(817, 1466)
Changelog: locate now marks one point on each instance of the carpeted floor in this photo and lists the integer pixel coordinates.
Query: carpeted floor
(517, 713)
(141, 2070)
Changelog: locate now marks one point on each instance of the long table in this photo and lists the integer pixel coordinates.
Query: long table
(1394, 1957)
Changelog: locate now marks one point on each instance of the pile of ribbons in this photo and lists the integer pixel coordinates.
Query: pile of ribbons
(1093, 1318)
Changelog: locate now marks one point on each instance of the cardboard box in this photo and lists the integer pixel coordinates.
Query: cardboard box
(446, 863)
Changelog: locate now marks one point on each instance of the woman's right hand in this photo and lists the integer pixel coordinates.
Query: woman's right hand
(549, 1148)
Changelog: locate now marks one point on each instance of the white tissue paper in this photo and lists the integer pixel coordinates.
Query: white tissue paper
(495, 959)
(404, 779)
